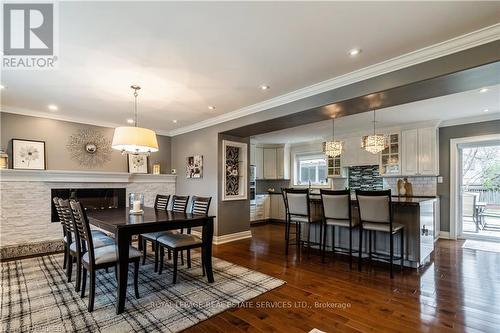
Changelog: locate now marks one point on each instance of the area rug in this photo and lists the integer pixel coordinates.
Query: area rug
(36, 297)
(482, 245)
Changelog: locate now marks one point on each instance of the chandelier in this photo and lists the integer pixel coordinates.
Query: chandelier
(374, 143)
(332, 148)
(134, 140)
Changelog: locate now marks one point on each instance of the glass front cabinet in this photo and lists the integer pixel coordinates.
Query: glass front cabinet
(390, 157)
(334, 168)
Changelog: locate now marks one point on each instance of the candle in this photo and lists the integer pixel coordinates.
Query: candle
(136, 206)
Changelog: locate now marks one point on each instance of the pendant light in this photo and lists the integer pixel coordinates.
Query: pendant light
(332, 148)
(134, 140)
(374, 143)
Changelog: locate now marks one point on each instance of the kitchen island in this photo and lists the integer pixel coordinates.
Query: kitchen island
(417, 214)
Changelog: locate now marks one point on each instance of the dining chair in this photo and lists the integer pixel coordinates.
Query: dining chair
(336, 206)
(74, 252)
(375, 215)
(299, 212)
(55, 200)
(96, 258)
(180, 241)
(161, 204)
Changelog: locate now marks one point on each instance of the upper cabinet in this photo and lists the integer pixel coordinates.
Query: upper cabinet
(390, 157)
(419, 152)
(271, 162)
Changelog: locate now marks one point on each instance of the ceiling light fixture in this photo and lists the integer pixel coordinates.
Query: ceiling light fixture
(486, 110)
(53, 107)
(2, 87)
(374, 143)
(332, 148)
(130, 121)
(134, 140)
(264, 87)
(211, 107)
(483, 90)
(174, 121)
(354, 52)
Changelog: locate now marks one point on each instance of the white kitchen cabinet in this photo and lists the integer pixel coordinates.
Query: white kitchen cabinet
(409, 160)
(280, 163)
(277, 207)
(252, 154)
(419, 149)
(270, 171)
(427, 151)
(259, 163)
(390, 157)
(261, 210)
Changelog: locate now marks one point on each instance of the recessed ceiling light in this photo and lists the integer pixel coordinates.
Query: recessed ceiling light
(264, 87)
(2, 87)
(130, 121)
(486, 110)
(211, 107)
(483, 90)
(53, 107)
(174, 121)
(354, 52)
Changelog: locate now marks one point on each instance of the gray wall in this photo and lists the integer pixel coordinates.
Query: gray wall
(445, 135)
(56, 133)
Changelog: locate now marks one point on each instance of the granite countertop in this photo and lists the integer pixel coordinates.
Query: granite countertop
(395, 200)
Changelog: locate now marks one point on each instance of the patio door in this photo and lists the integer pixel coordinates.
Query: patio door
(478, 208)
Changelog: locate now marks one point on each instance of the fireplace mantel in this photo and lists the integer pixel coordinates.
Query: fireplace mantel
(51, 176)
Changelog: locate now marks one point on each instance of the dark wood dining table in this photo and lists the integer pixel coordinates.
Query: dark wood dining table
(124, 225)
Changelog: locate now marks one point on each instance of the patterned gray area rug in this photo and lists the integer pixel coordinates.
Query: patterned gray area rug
(37, 297)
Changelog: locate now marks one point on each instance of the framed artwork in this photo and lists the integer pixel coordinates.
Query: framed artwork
(28, 154)
(194, 167)
(235, 164)
(137, 163)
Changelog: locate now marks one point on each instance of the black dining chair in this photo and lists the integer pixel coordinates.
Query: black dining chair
(180, 242)
(375, 215)
(336, 206)
(94, 258)
(161, 204)
(74, 252)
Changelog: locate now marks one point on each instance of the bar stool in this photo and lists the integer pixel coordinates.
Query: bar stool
(299, 212)
(337, 213)
(375, 214)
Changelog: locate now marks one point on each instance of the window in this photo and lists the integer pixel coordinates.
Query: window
(310, 168)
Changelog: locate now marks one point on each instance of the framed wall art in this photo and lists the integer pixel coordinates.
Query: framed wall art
(194, 167)
(235, 164)
(28, 154)
(137, 163)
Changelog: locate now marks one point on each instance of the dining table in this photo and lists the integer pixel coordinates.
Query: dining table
(124, 225)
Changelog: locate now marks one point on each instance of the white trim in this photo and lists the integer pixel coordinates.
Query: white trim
(470, 120)
(443, 235)
(48, 176)
(242, 169)
(454, 181)
(438, 50)
(227, 238)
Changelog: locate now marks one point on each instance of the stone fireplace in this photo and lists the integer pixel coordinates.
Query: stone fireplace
(26, 205)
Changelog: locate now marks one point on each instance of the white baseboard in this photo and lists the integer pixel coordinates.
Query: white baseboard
(444, 235)
(227, 238)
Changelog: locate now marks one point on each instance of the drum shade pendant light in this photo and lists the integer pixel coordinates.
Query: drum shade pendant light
(332, 148)
(134, 140)
(374, 143)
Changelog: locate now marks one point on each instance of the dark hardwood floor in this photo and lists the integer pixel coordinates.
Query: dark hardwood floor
(458, 291)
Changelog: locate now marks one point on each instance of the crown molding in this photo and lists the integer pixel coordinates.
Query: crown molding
(60, 117)
(470, 120)
(454, 45)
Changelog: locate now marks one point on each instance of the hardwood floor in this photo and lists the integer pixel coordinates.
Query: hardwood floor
(459, 290)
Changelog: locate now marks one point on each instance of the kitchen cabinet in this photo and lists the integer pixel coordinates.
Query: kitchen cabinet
(390, 157)
(261, 210)
(277, 207)
(419, 148)
(280, 163)
(335, 169)
(259, 163)
(270, 170)
(252, 154)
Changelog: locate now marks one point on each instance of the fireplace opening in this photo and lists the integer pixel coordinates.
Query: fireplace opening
(91, 198)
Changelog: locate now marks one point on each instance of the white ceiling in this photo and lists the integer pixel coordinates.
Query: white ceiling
(188, 55)
(462, 107)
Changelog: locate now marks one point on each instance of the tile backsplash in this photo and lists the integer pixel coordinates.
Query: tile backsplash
(365, 177)
(426, 186)
(261, 185)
